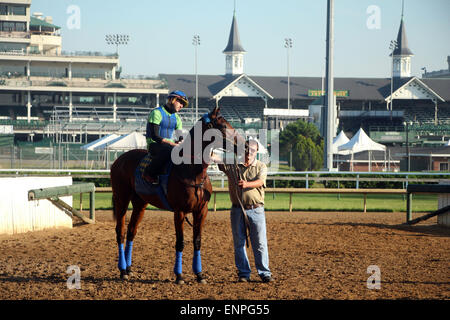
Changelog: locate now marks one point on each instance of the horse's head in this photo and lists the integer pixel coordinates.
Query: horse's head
(233, 141)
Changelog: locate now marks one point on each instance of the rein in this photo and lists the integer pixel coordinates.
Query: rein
(233, 172)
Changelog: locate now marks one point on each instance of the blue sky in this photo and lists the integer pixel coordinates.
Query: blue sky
(161, 33)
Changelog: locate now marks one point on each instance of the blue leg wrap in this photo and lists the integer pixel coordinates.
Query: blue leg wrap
(178, 268)
(197, 262)
(128, 252)
(122, 263)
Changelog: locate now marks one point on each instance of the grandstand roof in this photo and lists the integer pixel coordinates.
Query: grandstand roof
(357, 88)
(35, 22)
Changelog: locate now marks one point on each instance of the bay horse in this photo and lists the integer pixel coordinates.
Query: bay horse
(188, 190)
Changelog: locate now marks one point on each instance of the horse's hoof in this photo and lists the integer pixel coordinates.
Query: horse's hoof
(200, 279)
(123, 275)
(129, 272)
(179, 280)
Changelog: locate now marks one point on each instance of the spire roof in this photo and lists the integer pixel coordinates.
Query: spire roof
(234, 43)
(402, 42)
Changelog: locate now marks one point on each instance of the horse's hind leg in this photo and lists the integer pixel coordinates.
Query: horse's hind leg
(179, 246)
(139, 206)
(120, 207)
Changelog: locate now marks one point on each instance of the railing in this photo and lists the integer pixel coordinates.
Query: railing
(95, 81)
(307, 176)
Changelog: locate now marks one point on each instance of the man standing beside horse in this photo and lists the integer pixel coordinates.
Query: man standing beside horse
(246, 184)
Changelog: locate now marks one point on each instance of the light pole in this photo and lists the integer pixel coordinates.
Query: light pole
(288, 46)
(196, 43)
(392, 47)
(117, 39)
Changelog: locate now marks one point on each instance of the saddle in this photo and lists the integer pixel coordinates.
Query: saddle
(146, 188)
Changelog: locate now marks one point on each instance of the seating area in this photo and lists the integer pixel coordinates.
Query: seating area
(427, 115)
(97, 113)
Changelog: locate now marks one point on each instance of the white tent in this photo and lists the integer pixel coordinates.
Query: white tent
(339, 140)
(130, 141)
(359, 143)
(108, 138)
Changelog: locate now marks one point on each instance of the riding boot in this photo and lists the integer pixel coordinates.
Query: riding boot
(161, 155)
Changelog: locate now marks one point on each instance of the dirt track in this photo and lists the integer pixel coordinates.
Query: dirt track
(312, 256)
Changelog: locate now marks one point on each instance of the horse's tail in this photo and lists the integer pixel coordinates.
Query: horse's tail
(113, 207)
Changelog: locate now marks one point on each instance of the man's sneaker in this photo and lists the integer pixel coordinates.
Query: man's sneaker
(267, 279)
(243, 279)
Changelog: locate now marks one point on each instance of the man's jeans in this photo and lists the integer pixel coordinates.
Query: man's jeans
(258, 240)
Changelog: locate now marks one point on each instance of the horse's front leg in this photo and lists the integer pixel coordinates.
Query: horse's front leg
(199, 220)
(179, 246)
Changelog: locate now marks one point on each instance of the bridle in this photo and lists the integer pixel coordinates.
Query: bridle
(212, 123)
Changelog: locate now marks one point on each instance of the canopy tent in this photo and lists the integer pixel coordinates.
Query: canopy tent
(133, 140)
(108, 138)
(359, 143)
(338, 141)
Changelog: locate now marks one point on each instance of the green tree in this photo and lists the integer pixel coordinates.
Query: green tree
(306, 144)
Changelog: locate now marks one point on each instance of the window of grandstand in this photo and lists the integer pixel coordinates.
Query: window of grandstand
(88, 72)
(12, 26)
(443, 166)
(19, 10)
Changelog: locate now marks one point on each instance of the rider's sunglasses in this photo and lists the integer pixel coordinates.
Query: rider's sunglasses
(183, 102)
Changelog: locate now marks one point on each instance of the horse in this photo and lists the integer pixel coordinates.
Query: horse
(188, 191)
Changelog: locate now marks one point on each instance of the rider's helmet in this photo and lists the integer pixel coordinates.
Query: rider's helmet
(179, 95)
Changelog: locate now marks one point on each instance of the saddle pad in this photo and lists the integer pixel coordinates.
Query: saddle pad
(146, 188)
(144, 163)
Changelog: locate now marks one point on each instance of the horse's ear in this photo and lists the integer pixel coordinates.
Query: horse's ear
(216, 110)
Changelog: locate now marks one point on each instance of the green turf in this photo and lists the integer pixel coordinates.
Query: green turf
(304, 202)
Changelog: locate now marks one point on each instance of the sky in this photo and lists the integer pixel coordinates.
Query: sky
(161, 33)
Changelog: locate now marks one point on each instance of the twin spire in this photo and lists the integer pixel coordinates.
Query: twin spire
(402, 54)
(234, 52)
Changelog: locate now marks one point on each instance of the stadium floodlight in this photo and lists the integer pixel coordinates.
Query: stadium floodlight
(288, 46)
(117, 39)
(196, 43)
(392, 46)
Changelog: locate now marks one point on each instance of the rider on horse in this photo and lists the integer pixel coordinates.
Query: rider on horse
(162, 122)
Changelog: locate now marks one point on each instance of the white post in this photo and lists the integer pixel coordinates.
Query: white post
(70, 106)
(115, 107)
(29, 106)
(329, 89)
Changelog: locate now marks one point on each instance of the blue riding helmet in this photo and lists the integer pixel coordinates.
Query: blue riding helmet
(179, 95)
